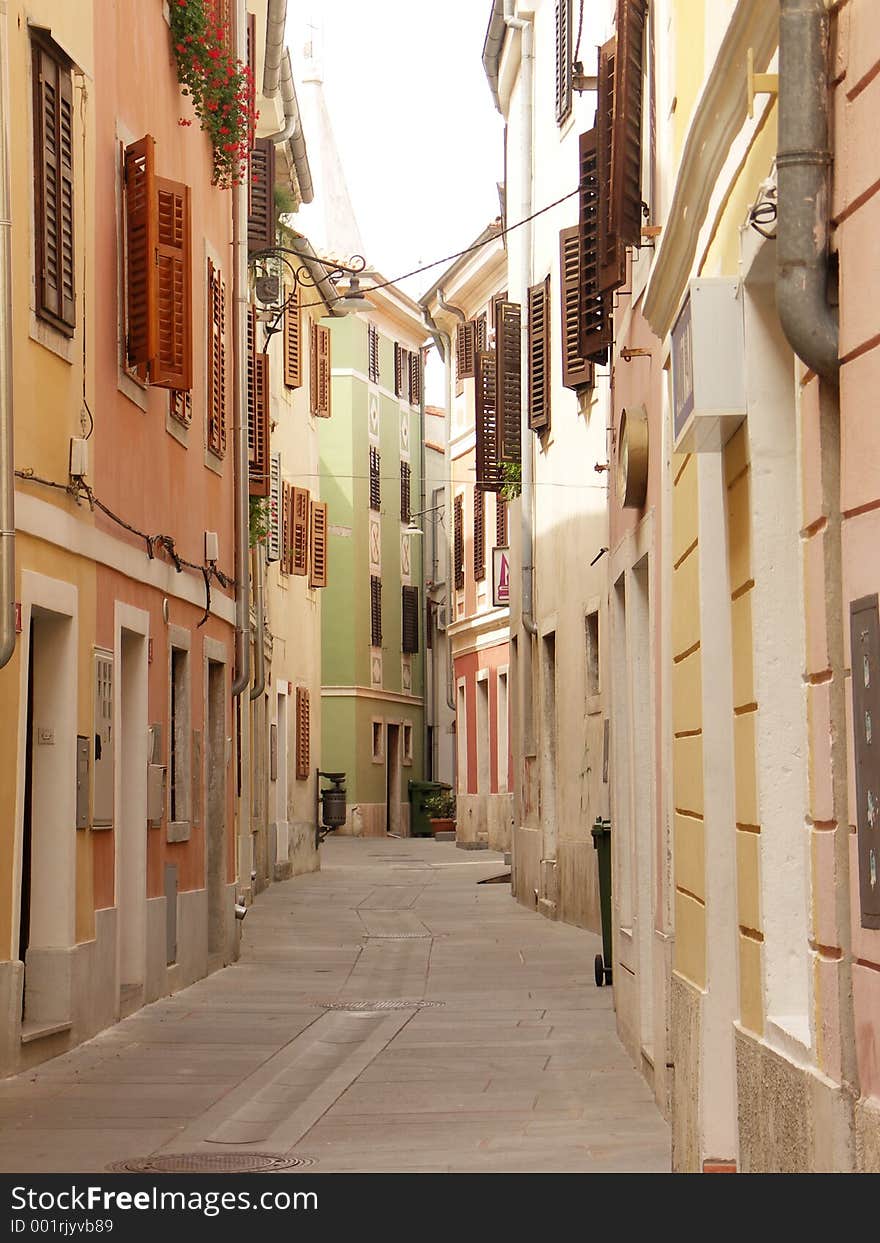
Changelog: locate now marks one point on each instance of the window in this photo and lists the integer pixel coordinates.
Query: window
(303, 734)
(399, 368)
(158, 236)
(405, 483)
(318, 540)
(576, 371)
(292, 339)
(539, 356)
(180, 406)
(373, 353)
(410, 620)
(377, 733)
(179, 736)
(274, 543)
(626, 152)
(564, 59)
(479, 536)
(592, 652)
(458, 542)
(415, 378)
(102, 805)
(375, 479)
(53, 184)
(286, 528)
(216, 361)
(596, 323)
(501, 535)
(465, 343)
(375, 611)
(319, 361)
(503, 730)
(509, 380)
(258, 411)
(261, 196)
(407, 743)
(301, 529)
(488, 466)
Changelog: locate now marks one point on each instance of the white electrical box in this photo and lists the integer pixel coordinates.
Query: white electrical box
(708, 366)
(212, 546)
(79, 457)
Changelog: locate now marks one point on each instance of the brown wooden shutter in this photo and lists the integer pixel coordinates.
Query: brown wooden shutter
(564, 58)
(405, 485)
(318, 560)
(398, 369)
(487, 458)
(415, 378)
(509, 380)
(375, 479)
(458, 543)
(320, 371)
(258, 411)
(53, 169)
(611, 249)
(501, 535)
(171, 366)
(626, 155)
(596, 323)
(261, 218)
(576, 371)
(479, 536)
(140, 249)
(301, 523)
(373, 353)
(292, 339)
(251, 55)
(286, 529)
(375, 611)
(303, 734)
(216, 361)
(481, 334)
(180, 406)
(539, 355)
(410, 620)
(465, 341)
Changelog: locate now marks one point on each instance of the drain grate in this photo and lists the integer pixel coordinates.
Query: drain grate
(393, 1003)
(209, 1163)
(397, 936)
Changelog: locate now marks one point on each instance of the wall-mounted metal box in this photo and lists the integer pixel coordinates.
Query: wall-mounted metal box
(155, 794)
(82, 782)
(865, 640)
(708, 366)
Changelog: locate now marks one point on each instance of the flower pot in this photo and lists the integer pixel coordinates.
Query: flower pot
(442, 826)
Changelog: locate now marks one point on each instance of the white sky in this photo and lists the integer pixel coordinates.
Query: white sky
(418, 133)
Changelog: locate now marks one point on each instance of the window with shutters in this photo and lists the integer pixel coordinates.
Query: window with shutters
(611, 251)
(180, 406)
(405, 483)
(479, 536)
(258, 411)
(415, 378)
(465, 342)
(303, 734)
(53, 184)
(318, 540)
(180, 768)
(410, 620)
(508, 390)
(319, 361)
(375, 611)
(300, 531)
(595, 312)
(261, 214)
(501, 536)
(458, 543)
(216, 361)
(274, 540)
(539, 356)
(102, 804)
(375, 479)
(373, 353)
(286, 529)
(564, 59)
(481, 332)
(576, 371)
(158, 240)
(626, 151)
(488, 466)
(399, 368)
(293, 338)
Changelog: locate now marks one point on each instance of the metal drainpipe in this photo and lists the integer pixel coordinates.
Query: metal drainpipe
(260, 630)
(7, 465)
(239, 405)
(276, 20)
(803, 166)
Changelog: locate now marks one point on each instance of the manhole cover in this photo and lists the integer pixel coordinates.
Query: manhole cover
(208, 1163)
(394, 1003)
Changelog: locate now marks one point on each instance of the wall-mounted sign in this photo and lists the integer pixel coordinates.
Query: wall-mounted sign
(500, 577)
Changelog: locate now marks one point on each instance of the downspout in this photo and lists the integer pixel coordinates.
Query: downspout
(293, 132)
(275, 23)
(239, 407)
(260, 625)
(803, 173)
(7, 466)
(527, 34)
(428, 713)
(443, 341)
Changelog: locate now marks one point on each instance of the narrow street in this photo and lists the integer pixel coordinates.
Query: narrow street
(510, 1063)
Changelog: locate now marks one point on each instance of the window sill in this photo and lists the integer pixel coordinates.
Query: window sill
(178, 831)
(52, 338)
(132, 389)
(213, 462)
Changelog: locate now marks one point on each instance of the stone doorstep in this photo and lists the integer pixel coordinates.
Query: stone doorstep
(445, 835)
(41, 1030)
(472, 845)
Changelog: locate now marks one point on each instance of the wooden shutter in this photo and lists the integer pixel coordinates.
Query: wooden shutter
(481, 334)
(275, 544)
(564, 58)
(180, 406)
(303, 734)
(286, 529)
(405, 484)
(318, 559)
(415, 378)
(171, 367)
(261, 218)
(375, 479)
(576, 371)
(539, 355)
(216, 361)
(487, 457)
(611, 249)
(465, 340)
(398, 368)
(53, 176)
(320, 371)
(501, 535)
(292, 339)
(300, 525)
(258, 411)
(140, 249)
(410, 620)
(373, 353)
(375, 611)
(458, 543)
(596, 324)
(509, 380)
(479, 535)
(626, 154)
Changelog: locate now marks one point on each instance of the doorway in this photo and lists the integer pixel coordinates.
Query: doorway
(215, 809)
(131, 819)
(392, 780)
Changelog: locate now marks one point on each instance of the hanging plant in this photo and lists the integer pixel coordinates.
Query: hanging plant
(220, 87)
(511, 474)
(260, 520)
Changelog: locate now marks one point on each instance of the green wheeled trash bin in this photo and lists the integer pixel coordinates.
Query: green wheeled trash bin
(419, 820)
(601, 831)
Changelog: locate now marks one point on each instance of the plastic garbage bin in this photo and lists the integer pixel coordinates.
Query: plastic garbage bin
(419, 820)
(601, 832)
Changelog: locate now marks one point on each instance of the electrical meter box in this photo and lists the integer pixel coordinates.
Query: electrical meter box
(708, 366)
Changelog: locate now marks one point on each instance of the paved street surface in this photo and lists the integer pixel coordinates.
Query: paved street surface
(514, 1064)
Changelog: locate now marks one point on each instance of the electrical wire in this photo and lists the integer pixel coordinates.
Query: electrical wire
(577, 50)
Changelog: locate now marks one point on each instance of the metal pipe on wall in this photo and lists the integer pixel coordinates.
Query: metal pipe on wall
(7, 465)
(259, 684)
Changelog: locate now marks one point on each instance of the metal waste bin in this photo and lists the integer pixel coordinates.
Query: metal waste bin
(419, 820)
(601, 832)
